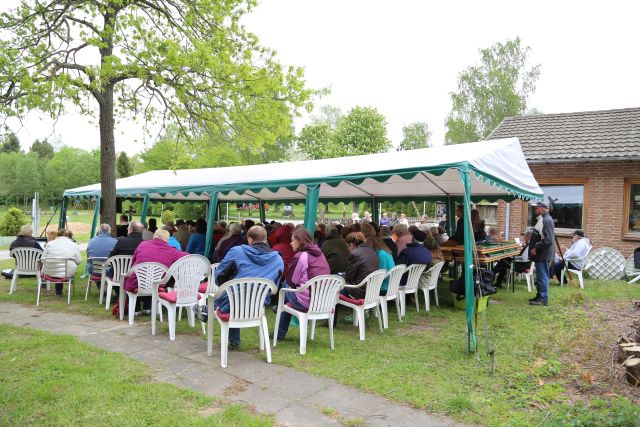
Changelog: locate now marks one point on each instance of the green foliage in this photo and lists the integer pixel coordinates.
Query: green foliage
(362, 131)
(617, 412)
(487, 93)
(43, 149)
(12, 221)
(10, 143)
(71, 167)
(124, 168)
(168, 217)
(415, 135)
(191, 211)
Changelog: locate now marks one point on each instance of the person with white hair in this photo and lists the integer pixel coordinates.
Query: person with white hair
(101, 245)
(64, 247)
(25, 239)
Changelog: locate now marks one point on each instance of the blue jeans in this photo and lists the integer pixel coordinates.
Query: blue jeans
(222, 304)
(542, 279)
(285, 318)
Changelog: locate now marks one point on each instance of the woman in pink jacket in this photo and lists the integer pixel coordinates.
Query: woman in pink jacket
(308, 262)
(154, 250)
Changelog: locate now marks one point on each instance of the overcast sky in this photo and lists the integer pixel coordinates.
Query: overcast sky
(403, 57)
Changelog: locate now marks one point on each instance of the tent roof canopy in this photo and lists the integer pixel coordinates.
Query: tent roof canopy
(499, 167)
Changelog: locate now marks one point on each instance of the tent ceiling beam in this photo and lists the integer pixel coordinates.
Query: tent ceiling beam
(433, 182)
(359, 189)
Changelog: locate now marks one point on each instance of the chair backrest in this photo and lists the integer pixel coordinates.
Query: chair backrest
(55, 267)
(395, 274)
(323, 292)
(97, 265)
(429, 278)
(246, 297)
(212, 279)
(414, 271)
(373, 285)
(26, 259)
(120, 265)
(147, 274)
(188, 272)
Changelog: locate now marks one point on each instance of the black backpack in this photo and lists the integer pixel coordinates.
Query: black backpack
(636, 258)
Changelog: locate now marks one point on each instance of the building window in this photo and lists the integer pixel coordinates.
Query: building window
(566, 202)
(632, 208)
(488, 212)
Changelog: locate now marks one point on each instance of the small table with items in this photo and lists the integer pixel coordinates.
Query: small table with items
(488, 253)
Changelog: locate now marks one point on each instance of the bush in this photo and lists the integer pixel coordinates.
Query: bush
(168, 217)
(12, 221)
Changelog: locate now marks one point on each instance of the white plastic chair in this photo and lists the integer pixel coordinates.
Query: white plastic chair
(187, 272)
(413, 272)
(147, 274)
(373, 283)
(323, 293)
(395, 274)
(26, 264)
(54, 270)
(119, 265)
(631, 271)
(577, 272)
(246, 310)
(211, 287)
(429, 282)
(97, 265)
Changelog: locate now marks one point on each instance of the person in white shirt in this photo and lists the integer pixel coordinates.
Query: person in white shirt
(578, 249)
(404, 220)
(64, 247)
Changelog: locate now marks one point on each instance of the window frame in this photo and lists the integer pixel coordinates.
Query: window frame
(585, 198)
(626, 207)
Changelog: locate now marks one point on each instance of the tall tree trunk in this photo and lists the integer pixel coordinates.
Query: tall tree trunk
(107, 160)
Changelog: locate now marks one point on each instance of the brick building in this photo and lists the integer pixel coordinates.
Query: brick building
(588, 164)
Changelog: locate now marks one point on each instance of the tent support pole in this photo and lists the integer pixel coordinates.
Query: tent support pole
(311, 207)
(468, 260)
(375, 211)
(451, 215)
(263, 216)
(145, 207)
(96, 215)
(62, 222)
(211, 219)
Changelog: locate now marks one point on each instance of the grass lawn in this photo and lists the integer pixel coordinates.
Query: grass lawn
(552, 364)
(54, 380)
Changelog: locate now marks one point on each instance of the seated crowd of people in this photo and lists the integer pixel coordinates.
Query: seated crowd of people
(286, 254)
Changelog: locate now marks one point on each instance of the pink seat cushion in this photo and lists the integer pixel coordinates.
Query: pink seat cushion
(291, 306)
(351, 300)
(54, 279)
(96, 277)
(203, 287)
(222, 316)
(171, 297)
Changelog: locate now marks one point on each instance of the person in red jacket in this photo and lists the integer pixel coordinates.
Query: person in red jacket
(281, 242)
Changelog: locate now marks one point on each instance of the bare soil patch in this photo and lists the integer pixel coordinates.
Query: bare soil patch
(595, 372)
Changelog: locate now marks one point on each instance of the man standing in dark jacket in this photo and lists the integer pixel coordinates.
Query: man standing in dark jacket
(541, 251)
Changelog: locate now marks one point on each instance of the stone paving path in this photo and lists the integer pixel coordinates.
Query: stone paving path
(296, 398)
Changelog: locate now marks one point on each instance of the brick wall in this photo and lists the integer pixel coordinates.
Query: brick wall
(604, 201)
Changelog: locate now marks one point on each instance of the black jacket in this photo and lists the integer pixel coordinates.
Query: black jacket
(362, 262)
(127, 245)
(24, 242)
(543, 243)
(336, 252)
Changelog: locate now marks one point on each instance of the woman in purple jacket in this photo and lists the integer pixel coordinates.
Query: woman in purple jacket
(308, 262)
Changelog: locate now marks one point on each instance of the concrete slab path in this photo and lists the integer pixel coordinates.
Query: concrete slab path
(296, 398)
